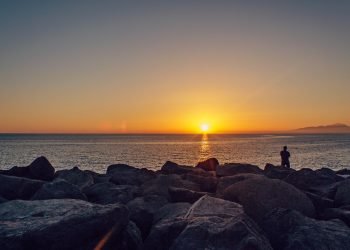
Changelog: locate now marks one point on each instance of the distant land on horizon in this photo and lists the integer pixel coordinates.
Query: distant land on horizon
(337, 128)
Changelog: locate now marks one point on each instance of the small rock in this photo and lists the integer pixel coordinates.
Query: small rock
(76, 177)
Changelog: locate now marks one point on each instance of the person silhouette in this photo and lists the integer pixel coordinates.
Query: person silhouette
(285, 157)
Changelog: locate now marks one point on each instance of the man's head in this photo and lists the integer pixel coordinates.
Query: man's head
(285, 148)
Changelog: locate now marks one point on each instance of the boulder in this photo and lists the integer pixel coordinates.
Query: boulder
(289, 229)
(208, 165)
(108, 193)
(342, 195)
(2, 199)
(58, 189)
(277, 172)
(173, 168)
(122, 174)
(97, 177)
(143, 210)
(225, 182)
(206, 183)
(210, 223)
(322, 182)
(184, 195)
(161, 184)
(132, 238)
(229, 169)
(58, 224)
(12, 187)
(260, 195)
(76, 177)
(41, 169)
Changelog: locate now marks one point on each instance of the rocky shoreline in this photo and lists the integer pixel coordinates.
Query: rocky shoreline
(209, 206)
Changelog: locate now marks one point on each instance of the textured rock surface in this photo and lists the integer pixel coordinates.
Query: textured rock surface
(230, 169)
(57, 224)
(76, 177)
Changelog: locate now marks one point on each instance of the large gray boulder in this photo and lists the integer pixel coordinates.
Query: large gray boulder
(261, 195)
(210, 223)
(230, 169)
(12, 187)
(58, 189)
(58, 224)
(108, 193)
(342, 195)
(289, 229)
(76, 177)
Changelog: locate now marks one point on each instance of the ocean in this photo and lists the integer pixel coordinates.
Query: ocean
(96, 152)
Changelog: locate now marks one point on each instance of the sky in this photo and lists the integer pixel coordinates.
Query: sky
(172, 66)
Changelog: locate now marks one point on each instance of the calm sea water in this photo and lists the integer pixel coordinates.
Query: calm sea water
(96, 152)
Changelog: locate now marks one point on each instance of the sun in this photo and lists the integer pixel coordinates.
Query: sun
(204, 127)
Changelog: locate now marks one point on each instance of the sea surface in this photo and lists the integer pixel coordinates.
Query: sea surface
(96, 152)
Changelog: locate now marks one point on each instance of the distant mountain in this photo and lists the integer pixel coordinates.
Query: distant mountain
(337, 128)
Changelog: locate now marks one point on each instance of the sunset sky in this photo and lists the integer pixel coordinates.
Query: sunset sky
(172, 66)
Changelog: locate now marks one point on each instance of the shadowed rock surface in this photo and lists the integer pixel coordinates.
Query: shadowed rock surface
(225, 182)
(208, 165)
(342, 195)
(184, 195)
(289, 229)
(230, 169)
(57, 224)
(76, 177)
(12, 187)
(122, 174)
(58, 189)
(277, 172)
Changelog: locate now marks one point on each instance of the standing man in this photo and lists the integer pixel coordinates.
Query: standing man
(285, 157)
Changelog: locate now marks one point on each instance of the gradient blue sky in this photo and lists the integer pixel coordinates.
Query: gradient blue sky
(168, 66)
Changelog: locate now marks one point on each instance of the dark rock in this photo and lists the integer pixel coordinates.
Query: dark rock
(122, 174)
(320, 203)
(342, 195)
(229, 169)
(184, 195)
(98, 178)
(260, 195)
(289, 229)
(343, 171)
(225, 182)
(132, 238)
(206, 183)
(208, 165)
(336, 213)
(58, 189)
(173, 168)
(161, 184)
(16, 171)
(277, 172)
(210, 223)
(57, 224)
(322, 182)
(12, 187)
(108, 193)
(76, 177)
(143, 209)
(2, 199)
(41, 169)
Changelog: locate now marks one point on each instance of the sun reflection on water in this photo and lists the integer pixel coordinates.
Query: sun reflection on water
(204, 148)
